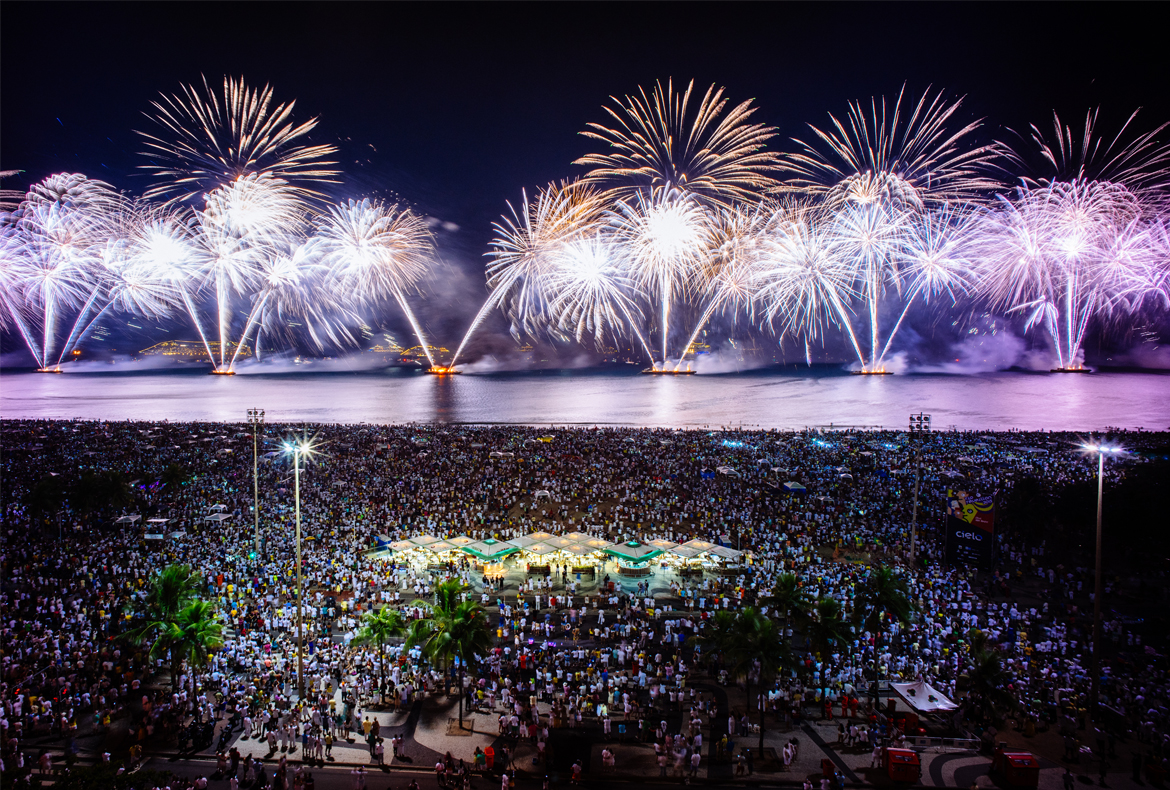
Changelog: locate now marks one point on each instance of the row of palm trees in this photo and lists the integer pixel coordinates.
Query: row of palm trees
(176, 626)
(754, 647)
(451, 630)
(173, 623)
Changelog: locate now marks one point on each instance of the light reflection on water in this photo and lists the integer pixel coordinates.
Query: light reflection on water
(767, 399)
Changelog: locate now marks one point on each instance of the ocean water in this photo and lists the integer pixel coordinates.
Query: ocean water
(767, 398)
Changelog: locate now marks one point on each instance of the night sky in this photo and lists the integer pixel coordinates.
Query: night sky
(454, 108)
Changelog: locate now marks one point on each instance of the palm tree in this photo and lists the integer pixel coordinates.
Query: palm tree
(377, 627)
(451, 629)
(756, 645)
(194, 634)
(788, 599)
(46, 497)
(985, 679)
(97, 491)
(171, 592)
(718, 633)
(882, 594)
(827, 629)
(174, 475)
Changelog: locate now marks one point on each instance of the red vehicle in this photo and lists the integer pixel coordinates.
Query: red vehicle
(902, 765)
(1016, 769)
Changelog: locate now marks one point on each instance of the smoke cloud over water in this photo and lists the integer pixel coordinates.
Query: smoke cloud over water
(981, 354)
(727, 359)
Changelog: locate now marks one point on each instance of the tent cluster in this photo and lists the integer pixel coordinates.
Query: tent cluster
(543, 546)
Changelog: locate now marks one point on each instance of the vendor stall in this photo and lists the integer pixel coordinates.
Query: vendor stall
(537, 558)
(633, 557)
(688, 560)
(582, 559)
(490, 550)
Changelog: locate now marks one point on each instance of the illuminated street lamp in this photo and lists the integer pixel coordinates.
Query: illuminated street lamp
(299, 448)
(1101, 450)
(919, 425)
(256, 419)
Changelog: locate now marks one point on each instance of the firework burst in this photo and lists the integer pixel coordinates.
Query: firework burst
(374, 251)
(206, 141)
(658, 143)
(523, 259)
(802, 283)
(912, 154)
(1136, 161)
(666, 236)
(1065, 253)
(54, 260)
(590, 288)
(727, 276)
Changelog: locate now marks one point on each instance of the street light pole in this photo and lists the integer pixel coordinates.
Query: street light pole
(1095, 682)
(304, 447)
(919, 424)
(1097, 592)
(256, 419)
(300, 618)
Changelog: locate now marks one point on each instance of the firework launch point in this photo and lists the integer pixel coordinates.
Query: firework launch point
(668, 372)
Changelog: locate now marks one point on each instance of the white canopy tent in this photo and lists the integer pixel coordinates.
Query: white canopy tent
(540, 549)
(923, 697)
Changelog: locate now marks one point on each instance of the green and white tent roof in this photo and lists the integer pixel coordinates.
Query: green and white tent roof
(633, 551)
(490, 549)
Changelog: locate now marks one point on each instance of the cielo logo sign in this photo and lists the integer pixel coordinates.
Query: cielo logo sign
(969, 535)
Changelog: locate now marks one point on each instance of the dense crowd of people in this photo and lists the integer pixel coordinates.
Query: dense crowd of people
(568, 653)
